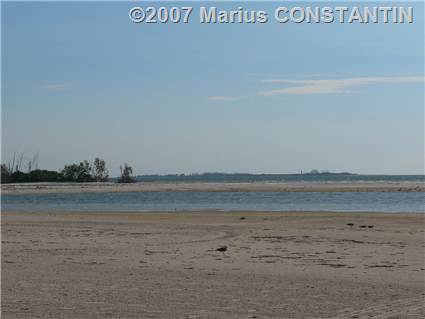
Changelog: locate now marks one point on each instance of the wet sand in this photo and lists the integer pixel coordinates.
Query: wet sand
(166, 265)
(36, 188)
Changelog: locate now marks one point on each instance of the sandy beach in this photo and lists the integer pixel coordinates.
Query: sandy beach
(166, 265)
(43, 188)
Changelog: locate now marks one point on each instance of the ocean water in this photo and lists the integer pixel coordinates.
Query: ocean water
(247, 178)
(193, 201)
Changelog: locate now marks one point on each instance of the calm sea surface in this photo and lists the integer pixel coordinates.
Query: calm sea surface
(248, 178)
(178, 201)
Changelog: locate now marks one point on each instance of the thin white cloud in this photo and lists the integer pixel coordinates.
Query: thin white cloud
(57, 86)
(222, 98)
(337, 86)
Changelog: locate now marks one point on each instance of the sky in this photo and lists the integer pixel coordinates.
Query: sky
(80, 80)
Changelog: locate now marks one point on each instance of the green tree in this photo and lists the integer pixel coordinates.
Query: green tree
(5, 174)
(100, 172)
(126, 174)
(78, 172)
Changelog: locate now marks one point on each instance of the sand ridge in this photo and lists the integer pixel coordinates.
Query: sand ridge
(40, 188)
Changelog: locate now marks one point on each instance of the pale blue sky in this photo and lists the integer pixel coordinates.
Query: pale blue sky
(81, 80)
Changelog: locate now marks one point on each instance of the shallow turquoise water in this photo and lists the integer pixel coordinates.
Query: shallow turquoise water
(178, 201)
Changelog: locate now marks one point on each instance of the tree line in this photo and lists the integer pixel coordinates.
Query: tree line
(82, 172)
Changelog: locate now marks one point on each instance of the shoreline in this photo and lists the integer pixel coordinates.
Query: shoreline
(202, 214)
(46, 188)
(215, 212)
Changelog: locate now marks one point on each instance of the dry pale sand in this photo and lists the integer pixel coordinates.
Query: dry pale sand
(165, 265)
(34, 188)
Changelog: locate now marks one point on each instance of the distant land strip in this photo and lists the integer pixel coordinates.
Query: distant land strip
(45, 188)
